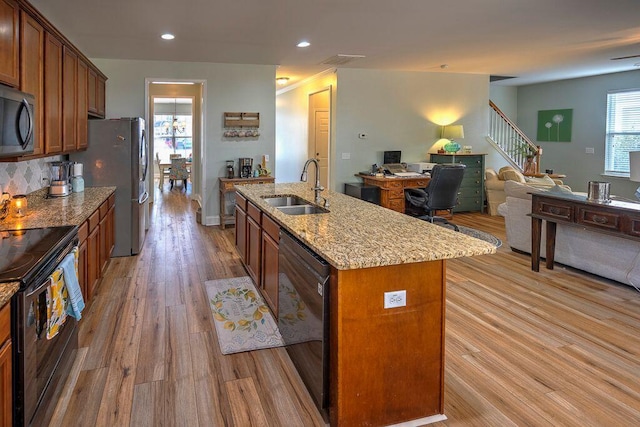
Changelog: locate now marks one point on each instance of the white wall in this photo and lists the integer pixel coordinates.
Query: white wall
(404, 111)
(588, 98)
(292, 125)
(229, 87)
(506, 98)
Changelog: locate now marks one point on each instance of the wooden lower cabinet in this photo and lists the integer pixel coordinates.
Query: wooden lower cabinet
(269, 262)
(241, 226)
(97, 239)
(254, 236)
(6, 390)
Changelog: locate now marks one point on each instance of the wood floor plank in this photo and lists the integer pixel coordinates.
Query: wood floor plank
(245, 403)
(147, 409)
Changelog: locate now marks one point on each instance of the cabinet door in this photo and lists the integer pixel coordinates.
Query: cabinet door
(6, 392)
(241, 233)
(253, 250)
(270, 272)
(69, 99)
(92, 91)
(82, 106)
(9, 43)
(31, 72)
(100, 97)
(93, 261)
(111, 231)
(82, 269)
(52, 95)
(6, 404)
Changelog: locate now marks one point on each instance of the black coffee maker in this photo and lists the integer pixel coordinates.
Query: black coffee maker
(246, 167)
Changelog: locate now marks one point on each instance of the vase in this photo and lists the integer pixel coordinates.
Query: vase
(530, 166)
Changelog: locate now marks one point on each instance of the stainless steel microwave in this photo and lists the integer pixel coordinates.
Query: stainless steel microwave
(16, 122)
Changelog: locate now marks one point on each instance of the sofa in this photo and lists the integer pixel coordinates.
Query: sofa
(608, 256)
(494, 184)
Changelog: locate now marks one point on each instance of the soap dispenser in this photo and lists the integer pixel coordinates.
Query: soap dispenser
(77, 182)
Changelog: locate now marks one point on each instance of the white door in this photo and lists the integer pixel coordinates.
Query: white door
(321, 144)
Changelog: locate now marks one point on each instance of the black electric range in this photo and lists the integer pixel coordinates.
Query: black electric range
(23, 253)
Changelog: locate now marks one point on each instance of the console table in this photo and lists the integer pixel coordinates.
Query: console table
(618, 217)
(228, 185)
(392, 188)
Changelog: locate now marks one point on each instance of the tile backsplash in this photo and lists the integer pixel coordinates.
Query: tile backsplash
(25, 177)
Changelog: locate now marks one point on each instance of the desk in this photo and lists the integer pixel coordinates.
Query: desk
(228, 185)
(166, 165)
(618, 217)
(392, 189)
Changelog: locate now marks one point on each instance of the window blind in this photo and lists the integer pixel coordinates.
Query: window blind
(622, 131)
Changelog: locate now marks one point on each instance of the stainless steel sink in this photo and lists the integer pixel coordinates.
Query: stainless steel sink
(285, 201)
(302, 210)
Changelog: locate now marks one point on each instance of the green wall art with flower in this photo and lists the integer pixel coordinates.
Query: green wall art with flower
(555, 125)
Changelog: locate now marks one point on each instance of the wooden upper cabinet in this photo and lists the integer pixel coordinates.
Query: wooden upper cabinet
(52, 94)
(9, 43)
(92, 91)
(82, 106)
(31, 72)
(95, 95)
(69, 98)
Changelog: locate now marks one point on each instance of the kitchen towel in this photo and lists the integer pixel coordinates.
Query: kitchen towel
(69, 266)
(57, 297)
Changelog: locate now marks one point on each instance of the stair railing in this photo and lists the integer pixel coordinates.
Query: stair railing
(510, 141)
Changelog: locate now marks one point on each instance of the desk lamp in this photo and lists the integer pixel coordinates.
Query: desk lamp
(634, 169)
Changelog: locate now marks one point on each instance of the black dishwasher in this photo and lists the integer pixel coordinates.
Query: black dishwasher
(303, 314)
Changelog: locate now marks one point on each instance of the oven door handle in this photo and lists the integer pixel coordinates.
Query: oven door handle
(37, 290)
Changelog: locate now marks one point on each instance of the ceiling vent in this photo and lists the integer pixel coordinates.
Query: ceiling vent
(341, 59)
(625, 57)
(498, 78)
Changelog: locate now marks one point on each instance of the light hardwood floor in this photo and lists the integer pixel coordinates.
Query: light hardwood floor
(555, 348)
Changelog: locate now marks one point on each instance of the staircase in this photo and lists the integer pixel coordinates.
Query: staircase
(510, 141)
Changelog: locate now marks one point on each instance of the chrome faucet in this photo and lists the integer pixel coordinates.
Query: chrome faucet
(318, 188)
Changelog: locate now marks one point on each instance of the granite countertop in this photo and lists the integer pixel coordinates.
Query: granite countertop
(53, 212)
(57, 211)
(357, 234)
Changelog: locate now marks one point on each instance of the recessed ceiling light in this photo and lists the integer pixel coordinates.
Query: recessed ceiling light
(168, 36)
(282, 80)
(304, 43)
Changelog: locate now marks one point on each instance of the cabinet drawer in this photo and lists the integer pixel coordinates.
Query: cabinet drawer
(112, 200)
(104, 208)
(5, 323)
(396, 205)
(253, 212)
(599, 219)
(94, 220)
(631, 225)
(83, 231)
(555, 209)
(468, 204)
(241, 202)
(396, 194)
(270, 227)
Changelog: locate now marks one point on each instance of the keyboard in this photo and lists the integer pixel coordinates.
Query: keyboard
(407, 174)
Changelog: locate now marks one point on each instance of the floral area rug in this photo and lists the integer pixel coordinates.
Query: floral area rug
(241, 317)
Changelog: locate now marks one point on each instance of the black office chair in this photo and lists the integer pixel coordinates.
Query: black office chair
(440, 194)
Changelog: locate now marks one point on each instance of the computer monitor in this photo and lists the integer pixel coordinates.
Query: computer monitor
(391, 157)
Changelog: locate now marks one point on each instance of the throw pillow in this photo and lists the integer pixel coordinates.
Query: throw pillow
(556, 189)
(511, 174)
(543, 181)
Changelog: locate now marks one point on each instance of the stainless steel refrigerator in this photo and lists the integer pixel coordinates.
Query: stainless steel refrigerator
(118, 156)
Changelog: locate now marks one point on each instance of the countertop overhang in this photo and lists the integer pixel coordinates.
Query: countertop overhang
(358, 234)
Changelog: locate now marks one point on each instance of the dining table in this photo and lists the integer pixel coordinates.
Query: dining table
(164, 166)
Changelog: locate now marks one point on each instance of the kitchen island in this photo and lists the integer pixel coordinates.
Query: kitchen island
(386, 365)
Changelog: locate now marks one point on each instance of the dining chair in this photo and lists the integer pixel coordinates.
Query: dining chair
(163, 172)
(178, 171)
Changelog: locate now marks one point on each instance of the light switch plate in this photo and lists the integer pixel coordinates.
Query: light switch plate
(395, 299)
(346, 156)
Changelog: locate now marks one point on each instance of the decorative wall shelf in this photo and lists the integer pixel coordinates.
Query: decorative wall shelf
(240, 120)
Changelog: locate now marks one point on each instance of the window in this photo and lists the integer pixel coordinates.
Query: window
(623, 130)
(172, 127)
